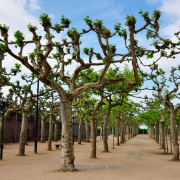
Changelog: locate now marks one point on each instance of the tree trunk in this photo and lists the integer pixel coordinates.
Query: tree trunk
(178, 129)
(122, 132)
(0, 129)
(93, 140)
(162, 134)
(157, 133)
(129, 135)
(131, 131)
(43, 128)
(56, 128)
(126, 132)
(67, 151)
(87, 130)
(23, 134)
(117, 134)
(105, 136)
(174, 137)
(149, 130)
(100, 133)
(26, 135)
(96, 128)
(49, 146)
(80, 130)
(152, 131)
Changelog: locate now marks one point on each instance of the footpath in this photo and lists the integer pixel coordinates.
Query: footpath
(137, 159)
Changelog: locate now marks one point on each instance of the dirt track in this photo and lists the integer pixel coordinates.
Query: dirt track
(137, 159)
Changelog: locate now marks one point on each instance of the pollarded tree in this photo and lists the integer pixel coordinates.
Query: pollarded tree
(27, 102)
(38, 63)
(164, 112)
(53, 106)
(92, 106)
(166, 96)
(80, 114)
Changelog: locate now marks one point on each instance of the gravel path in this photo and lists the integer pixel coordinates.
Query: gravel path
(138, 159)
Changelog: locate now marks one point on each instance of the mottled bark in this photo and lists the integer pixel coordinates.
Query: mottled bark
(101, 133)
(56, 128)
(87, 130)
(128, 129)
(67, 151)
(49, 145)
(80, 130)
(23, 134)
(174, 137)
(93, 140)
(162, 134)
(149, 130)
(157, 133)
(178, 129)
(117, 134)
(96, 128)
(26, 135)
(152, 131)
(122, 132)
(43, 132)
(105, 136)
(43, 128)
(0, 128)
(131, 131)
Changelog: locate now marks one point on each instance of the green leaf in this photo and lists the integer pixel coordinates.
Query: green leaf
(140, 12)
(137, 52)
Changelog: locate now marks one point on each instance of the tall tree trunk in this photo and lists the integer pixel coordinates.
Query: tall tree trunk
(157, 133)
(105, 137)
(0, 128)
(67, 151)
(152, 131)
(43, 127)
(23, 134)
(129, 135)
(131, 131)
(26, 135)
(49, 145)
(87, 130)
(96, 128)
(56, 128)
(122, 131)
(178, 129)
(117, 134)
(148, 130)
(43, 132)
(174, 137)
(101, 133)
(162, 134)
(93, 140)
(80, 130)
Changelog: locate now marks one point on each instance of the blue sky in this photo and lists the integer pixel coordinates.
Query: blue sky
(18, 13)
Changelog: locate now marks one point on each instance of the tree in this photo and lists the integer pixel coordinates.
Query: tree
(166, 96)
(37, 63)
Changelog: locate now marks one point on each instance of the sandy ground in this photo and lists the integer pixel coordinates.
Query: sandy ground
(139, 159)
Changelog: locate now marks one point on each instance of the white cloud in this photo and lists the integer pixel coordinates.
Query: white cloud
(33, 5)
